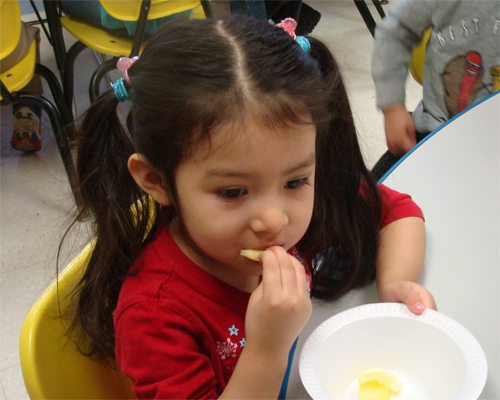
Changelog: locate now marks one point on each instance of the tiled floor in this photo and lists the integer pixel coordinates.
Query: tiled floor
(36, 202)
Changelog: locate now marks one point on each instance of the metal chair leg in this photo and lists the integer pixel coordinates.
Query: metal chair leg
(366, 15)
(57, 93)
(207, 8)
(378, 6)
(56, 35)
(98, 75)
(68, 72)
(61, 138)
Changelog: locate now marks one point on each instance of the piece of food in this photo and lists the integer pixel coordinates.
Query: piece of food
(373, 390)
(377, 384)
(251, 254)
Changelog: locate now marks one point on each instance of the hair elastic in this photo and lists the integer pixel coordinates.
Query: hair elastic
(304, 44)
(124, 63)
(120, 90)
(289, 25)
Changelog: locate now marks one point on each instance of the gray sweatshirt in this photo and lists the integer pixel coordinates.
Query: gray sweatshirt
(462, 62)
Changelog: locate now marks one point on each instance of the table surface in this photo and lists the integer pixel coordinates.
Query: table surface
(454, 176)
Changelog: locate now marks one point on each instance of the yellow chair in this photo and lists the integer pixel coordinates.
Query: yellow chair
(418, 57)
(10, 19)
(52, 366)
(104, 42)
(18, 76)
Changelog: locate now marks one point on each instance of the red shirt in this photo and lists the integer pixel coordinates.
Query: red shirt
(179, 330)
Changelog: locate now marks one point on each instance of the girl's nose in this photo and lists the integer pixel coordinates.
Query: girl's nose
(269, 218)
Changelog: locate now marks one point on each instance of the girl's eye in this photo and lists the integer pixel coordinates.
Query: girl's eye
(231, 194)
(297, 183)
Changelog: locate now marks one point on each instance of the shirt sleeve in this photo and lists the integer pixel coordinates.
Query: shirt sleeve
(401, 30)
(396, 206)
(158, 350)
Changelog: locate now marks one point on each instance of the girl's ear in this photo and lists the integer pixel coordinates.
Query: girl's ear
(149, 179)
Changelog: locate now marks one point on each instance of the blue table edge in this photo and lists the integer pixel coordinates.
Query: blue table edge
(381, 180)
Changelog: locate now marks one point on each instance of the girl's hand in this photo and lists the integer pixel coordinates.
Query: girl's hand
(278, 310)
(415, 296)
(279, 307)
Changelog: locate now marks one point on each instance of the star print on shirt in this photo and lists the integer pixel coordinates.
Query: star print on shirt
(242, 342)
(234, 331)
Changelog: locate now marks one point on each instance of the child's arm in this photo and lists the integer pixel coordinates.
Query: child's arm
(400, 260)
(278, 310)
(401, 30)
(400, 132)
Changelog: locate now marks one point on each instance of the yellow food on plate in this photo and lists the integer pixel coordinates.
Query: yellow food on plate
(251, 254)
(377, 384)
(373, 390)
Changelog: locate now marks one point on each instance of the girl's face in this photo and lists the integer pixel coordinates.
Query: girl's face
(253, 188)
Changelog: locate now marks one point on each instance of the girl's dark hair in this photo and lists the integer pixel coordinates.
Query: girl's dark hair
(193, 76)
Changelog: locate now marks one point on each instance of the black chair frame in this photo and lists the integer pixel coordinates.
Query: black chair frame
(66, 60)
(60, 118)
(366, 14)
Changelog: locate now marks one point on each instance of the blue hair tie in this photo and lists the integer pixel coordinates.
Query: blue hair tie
(120, 90)
(304, 44)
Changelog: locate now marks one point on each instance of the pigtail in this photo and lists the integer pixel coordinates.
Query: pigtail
(346, 219)
(120, 216)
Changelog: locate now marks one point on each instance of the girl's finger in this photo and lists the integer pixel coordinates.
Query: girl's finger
(271, 274)
(428, 299)
(287, 269)
(412, 301)
(300, 276)
(415, 299)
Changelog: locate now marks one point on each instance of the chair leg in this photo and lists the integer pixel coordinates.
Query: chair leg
(56, 35)
(57, 93)
(378, 6)
(366, 15)
(68, 71)
(140, 28)
(61, 139)
(207, 8)
(98, 75)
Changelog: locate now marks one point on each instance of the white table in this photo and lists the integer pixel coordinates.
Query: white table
(454, 176)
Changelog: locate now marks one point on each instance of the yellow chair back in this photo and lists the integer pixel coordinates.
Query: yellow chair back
(19, 75)
(107, 43)
(418, 57)
(128, 10)
(52, 366)
(10, 25)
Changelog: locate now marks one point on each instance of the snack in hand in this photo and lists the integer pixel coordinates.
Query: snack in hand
(251, 254)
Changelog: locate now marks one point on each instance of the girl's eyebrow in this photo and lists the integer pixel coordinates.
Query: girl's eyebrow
(226, 173)
(229, 173)
(311, 160)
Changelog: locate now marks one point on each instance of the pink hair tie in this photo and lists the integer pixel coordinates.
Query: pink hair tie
(124, 63)
(289, 25)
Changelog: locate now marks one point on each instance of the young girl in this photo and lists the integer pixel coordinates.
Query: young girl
(242, 138)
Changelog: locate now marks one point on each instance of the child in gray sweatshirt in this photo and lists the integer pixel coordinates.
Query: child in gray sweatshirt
(462, 66)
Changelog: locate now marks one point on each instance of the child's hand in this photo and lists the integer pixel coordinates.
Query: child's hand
(400, 131)
(279, 308)
(416, 297)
